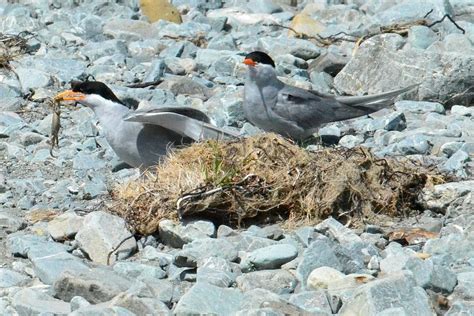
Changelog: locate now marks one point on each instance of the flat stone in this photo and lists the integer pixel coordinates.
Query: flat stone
(419, 107)
(138, 270)
(126, 29)
(203, 248)
(102, 310)
(96, 285)
(29, 301)
(332, 228)
(65, 226)
(465, 286)
(264, 302)
(176, 235)
(9, 278)
(277, 281)
(421, 36)
(271, 257)
(249, 243)
(140, 305)
(395, 291)
(103, 232)
(461, 308)
(49, 268)
(32, 246)
(205, 298)
(321, 277)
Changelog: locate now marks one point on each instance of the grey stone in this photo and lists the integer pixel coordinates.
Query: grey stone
(419, 107)
(200, 4)
(63, 69)
(139, 270)
(183, 85)
(332, 228)
(65, 226)
(139, 305)
(216, 271)
(414, 144)
(225, 231)
(418, 66)
(351, 141)
(456, 162)
(277, 281)
(395, 291)
(225, 42)
(330, 62)
(313, 302)
(273, 232)
(101, 234)
(96, 285)
(442, 279)
(102, 310)
(78, 302)
(30, 138)
(9, 222)
(420, 36)
(264, 6)
(9, 278)
(461, 308)
(249, 243)
(86, 161)
(32, 246)
(271, 257)
(260, 301)
(319, 253)
(203, 248)
(306, 235)
(450, 148)
(48, 268)
(129, 30)
(406, 11)
(205, 298)
(462, 110)
(29, 301)
(163, 290)
(465, 286)
(441, 196)
(285, 45)
(177, 235)
(321, 278)
(96, 50)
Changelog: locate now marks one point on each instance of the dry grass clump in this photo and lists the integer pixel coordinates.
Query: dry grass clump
(265, 178)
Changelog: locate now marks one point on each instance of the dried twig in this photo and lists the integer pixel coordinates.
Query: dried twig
(145, 84)
(116, 248)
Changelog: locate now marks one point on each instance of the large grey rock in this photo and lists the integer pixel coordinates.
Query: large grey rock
(407, 11)
(126, 29)
(204, 248)
(101, 234)
(29, 301)
(388, 59)
(319, 253)
(138, 270)
(176, 234)
(96, 285)
(271, 257)
(334, 229)
(9, 278)
(205, 298)
(277, 281)
(461, 308)
(395, 291)
(216, 271)
(139, 305)
(32, 246)
(49, 268)
(314, 302)
(421, 36)
(465, 286)
(65, 226)
(264, 302)
(249, 243)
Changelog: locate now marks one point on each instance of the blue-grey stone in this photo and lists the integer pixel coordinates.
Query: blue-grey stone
(450, 148)
(332, 228)
(87, 161)
(9, 278)
(264, 6)
(249, 243)
(456, 162)
(205, 247)
(95, 50)
(96, 285)
(224, 42)
(407, 11)
(306, 235)
(100, 236)
(9, 222)
(64, 69)
(271, 257)
(394, 291)
(48, 268)
(462, 110)
(461, 308)
(187, 29)
(351, 141)
(284, 45)
(138, 270)
(321, 81)
(200, 4)
(140, 305)
(319, 253)
(465, 286)
(421, 36)
(459, 43)
(93, 189)
(177, 235)
(205, 298)
(414, 144)
(442, 279)
(277, 281)
(314, 302)
(102, 310)
(216, 271)
(32, 246)
(419, 106)
(468, 147)
(30, 301)
(30, 138)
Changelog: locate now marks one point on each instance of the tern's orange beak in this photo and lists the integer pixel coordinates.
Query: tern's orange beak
(70, 95)
(249, 62)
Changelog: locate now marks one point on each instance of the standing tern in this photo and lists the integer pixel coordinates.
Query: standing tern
(142, 138)
(297, 113)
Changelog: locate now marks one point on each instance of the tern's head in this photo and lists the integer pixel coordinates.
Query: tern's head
(89, 93)
(261, 66)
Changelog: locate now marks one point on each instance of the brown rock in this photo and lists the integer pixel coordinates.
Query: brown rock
(160, 10)
(304, 24)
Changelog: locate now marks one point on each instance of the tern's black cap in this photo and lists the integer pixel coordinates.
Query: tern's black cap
(261, 57)
(95, 87)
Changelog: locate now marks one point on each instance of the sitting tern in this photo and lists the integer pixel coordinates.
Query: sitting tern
(142, 138)
(297, 113)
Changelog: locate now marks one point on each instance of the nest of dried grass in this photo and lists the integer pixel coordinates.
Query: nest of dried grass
(266, 178)
(12, 46)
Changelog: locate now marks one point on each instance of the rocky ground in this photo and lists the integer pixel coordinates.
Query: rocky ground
(61, 251)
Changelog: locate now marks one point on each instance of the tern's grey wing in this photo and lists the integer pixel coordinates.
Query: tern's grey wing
(193, 125)
(309, 110)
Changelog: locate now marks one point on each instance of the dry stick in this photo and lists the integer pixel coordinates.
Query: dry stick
(145, 84)
(117, 247)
